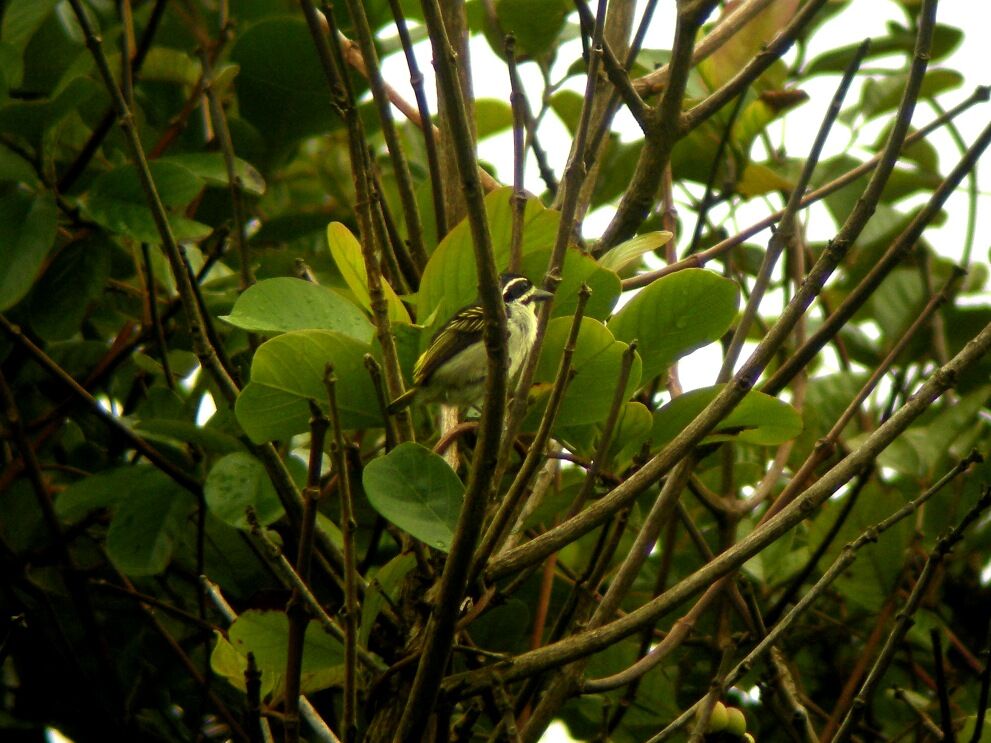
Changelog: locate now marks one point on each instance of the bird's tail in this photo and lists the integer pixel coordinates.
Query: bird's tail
(403, 401)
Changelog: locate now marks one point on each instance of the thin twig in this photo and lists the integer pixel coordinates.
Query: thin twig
(349, 722)
(904, 621)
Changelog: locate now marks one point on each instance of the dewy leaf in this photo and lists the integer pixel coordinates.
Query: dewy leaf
(628, 253)
(210, 166)
(595, 366)
(288, 370)
(758, 419)
(450, 280)
(676, 315)
(27, 232)
(417, 491)
(236, 482)
(116, 201)
(285, 303)
(346, 251)
(146, 525)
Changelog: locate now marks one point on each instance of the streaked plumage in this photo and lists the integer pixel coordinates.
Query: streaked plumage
(453, 368)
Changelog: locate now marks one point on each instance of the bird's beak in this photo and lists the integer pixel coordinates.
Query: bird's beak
(539, 295)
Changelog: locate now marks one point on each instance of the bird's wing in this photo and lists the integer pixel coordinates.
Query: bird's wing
(464, 329)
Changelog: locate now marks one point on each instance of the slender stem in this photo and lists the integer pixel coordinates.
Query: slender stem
(585, 643)
(292, 580)
(891, 258)
(786, 230)
(234, 184)
(295, 610)
(349, 526)
(942, 691)
(835, 570)
(780, 44)
(517, 99)
(535, 452)
(429, 138)
(400, 167)
(440, 628)
(905, 621)
(980, 95)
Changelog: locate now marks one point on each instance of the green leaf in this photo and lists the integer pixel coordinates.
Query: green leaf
(758, 419)
(417, 491)
(266, 635)
(596, 365)
(103, 490)
(116, 201)
(147, 523)
(210, 166)
(27, 232)
(632, 429)
(450, 281)
(21, 19)
(346, 250)
(629, 253)
(535, 25)
(288, 370)
(492, 116)
(284, 303)
(236, 482)
(383, 589)
(60, 299)
(577, 269)
(676, 315)
(899, 39)
(881, 96)
(281, 90)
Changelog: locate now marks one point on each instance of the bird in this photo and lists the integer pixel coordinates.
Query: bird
(453, 368)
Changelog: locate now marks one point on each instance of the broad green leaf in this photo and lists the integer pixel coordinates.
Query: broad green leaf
(417, 491)
(346, 251)
(595, 365)
(288, 370)
(629, 253)
(881, 95)
(383, 589)
(450, 280)
(104, 490)
(210, 166)
(578, 269)
(492, 116)
(116, 201)
(266, 635)
(21, 19)
(60, 299)
(167, 65)
(146, 525)
(281, 89)
(632, 430)
(676, 315)
(236, 482)
(27, 232)
(758, 419)
(535, 25)
(285, 303)
(899, 39)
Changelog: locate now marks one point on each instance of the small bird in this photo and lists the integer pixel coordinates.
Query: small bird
(453, 368)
